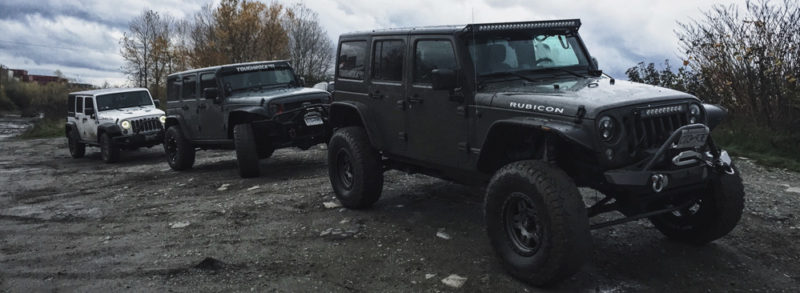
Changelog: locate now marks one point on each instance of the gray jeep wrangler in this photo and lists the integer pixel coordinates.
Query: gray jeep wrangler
(253, 108)
(523, 109)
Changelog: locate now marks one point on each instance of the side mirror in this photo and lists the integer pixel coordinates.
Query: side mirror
(301, 81)
(157, 103)
(88, 112)
(211, 93)
(443, 79)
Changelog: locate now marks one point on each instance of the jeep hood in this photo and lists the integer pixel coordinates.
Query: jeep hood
(130, 113)
(255, 97)
(565, 96)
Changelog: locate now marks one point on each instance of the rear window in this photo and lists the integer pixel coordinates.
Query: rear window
(70, 105)
(352, 57)
(173, 89)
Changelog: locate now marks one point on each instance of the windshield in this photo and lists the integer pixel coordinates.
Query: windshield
(123, 100)
(268, 77)
(515, 52)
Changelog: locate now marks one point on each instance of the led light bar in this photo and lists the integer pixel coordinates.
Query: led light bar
(661, 111)
(549, 24)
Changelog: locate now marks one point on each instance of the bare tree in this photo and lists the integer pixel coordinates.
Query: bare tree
(146, 50)
(310, 48)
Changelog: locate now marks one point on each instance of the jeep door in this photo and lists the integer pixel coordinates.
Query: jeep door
(386, 93)
(189, 105)
(89, 120)
(211, 119)
(436, 119)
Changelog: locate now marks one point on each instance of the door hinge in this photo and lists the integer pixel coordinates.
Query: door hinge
(402, 136)
(401, 104)
(462, 111)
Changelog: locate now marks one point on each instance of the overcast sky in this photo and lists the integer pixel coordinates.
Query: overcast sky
(81, 38)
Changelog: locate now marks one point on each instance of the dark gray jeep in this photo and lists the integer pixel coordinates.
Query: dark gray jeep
(254, 108)
(523, 109)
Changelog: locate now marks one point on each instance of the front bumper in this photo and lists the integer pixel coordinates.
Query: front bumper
(147, 139)
(687, 168)
(302, 127)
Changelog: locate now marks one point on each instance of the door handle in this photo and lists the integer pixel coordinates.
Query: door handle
(202, 107)
(185, 108)
(84, 119)
(376, 95)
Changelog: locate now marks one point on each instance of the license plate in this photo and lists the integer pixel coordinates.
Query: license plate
(692, 138)
(313, 120)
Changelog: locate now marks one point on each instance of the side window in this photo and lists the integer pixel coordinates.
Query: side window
(387, 60)
(173, 89)
(207, 80)
(351, 60)
(430, 55)
(89, 104)
(189, 87)
(79, 105)
(70, 105)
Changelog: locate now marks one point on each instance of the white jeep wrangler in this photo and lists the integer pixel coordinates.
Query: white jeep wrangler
(113, 119)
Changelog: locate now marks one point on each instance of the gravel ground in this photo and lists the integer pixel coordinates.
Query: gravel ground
(81, 225)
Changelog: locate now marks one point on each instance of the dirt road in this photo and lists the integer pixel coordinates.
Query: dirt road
(81, 225)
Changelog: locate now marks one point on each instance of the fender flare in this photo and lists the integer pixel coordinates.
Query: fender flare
(579, 134)
(258, 110)
(714, 115)
(70, 125)
(176, 120)
(363, 115)
(111, 128)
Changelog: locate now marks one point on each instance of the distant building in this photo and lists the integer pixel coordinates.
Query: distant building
(23, 76)
(82, 85)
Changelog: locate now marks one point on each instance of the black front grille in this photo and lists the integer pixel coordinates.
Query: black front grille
(145, 125)
(653, 131)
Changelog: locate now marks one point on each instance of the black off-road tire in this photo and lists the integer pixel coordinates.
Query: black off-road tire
(108, 151)
(354, 168)
(180, 152)
(246, 151)
(717, 212)
(77, 149)
(542, 201)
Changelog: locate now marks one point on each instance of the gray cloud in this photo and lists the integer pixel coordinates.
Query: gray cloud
(81, 37)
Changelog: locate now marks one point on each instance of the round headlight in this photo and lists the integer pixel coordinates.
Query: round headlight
(163, 119)
(607, 128)
(694, 113)
(125, 124)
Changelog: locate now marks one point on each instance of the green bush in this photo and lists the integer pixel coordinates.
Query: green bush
(768, 147)
(45, 128)
(6, 105)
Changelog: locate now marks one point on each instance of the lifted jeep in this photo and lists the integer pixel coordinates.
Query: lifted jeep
(523, 109)
(253, 108)
(113, 119)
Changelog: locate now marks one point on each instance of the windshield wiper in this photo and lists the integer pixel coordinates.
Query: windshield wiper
(562, 69)
(493, 77)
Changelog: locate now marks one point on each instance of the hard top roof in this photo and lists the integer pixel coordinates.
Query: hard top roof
(107, 91)
(570, 24)
(229, 66)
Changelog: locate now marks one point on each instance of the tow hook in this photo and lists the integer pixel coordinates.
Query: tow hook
(659, 182)
(723, 163)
